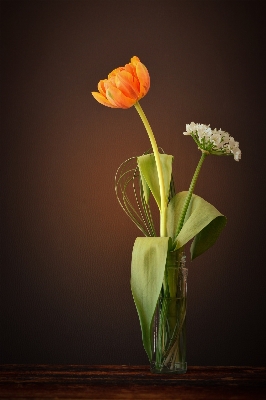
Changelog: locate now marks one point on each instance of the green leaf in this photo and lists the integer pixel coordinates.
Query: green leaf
(147, 272)
(148, 171)
(207, 236)
(202, 222)
(145, 188)
(174, 210)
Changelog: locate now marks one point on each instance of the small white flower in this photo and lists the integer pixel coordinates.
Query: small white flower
(204, 131)
(216, 139)
(213, 141)
(237, 154)
(190, 128)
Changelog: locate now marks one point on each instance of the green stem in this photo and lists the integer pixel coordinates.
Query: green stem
(156, 153)
(190, 192)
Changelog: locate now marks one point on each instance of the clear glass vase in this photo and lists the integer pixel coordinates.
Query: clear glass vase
(169, 324)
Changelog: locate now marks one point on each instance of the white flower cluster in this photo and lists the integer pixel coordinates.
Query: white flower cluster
(213, 141)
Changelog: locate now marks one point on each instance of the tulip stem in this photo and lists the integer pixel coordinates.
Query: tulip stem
(156, 153)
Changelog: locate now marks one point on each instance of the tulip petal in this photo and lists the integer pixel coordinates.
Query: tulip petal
(111, 80)
(115, 71)
(131, 69)
(129, 86)
(101, 87)
(103, 100)
(144, 78)
(134, 60)
(117, 98)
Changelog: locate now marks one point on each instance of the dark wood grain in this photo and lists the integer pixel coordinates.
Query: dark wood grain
(130, 382)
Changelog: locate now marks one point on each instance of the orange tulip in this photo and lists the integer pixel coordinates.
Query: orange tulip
(125, 86)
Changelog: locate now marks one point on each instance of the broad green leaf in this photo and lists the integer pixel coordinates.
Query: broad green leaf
(147, 272)
(202, 222)
(174, 210)
(148, 171)
(207, 236)
(145, 188)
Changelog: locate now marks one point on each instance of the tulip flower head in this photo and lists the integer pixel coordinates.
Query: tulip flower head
(125, 86)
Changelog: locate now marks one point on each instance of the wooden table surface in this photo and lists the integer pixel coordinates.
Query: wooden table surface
(130, 382)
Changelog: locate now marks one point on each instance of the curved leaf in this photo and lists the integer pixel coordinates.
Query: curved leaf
(148, 171)
(207, 236)
(145, 188)
(203, 221)
(147, 272)
(174, 210)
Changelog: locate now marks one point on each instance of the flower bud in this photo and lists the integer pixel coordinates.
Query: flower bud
(124, 85)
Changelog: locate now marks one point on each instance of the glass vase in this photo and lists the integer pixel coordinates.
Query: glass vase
(169, 324)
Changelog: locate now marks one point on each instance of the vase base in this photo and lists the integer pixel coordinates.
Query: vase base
(178, 368)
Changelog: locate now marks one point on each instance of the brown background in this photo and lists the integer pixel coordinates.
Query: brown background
(66, 243)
